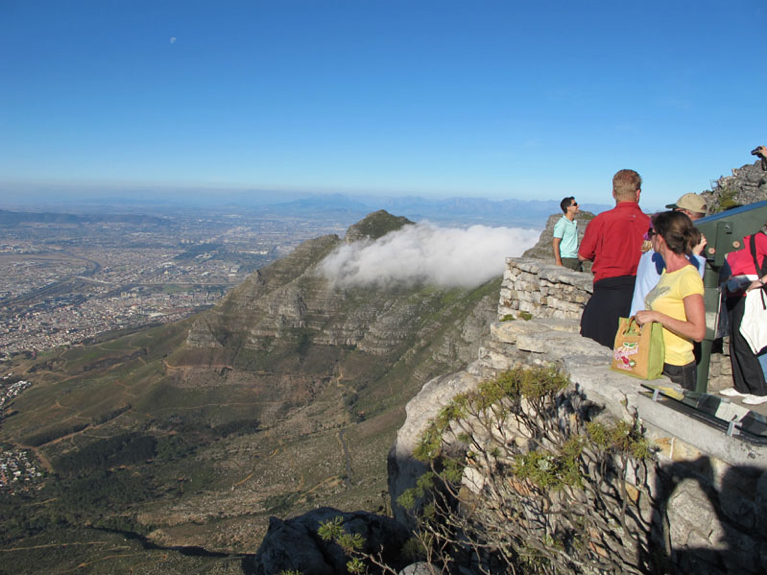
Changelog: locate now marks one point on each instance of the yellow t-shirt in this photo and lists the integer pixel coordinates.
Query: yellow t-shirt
(668, 297)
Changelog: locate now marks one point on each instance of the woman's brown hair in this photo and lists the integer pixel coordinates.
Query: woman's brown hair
(677, 230)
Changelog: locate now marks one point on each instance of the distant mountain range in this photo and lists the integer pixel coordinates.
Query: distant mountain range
(347, 209)
(515, 213)
(9, 218)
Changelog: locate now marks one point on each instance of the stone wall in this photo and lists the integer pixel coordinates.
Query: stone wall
(543, 290)
(546, 290)
(705, 495)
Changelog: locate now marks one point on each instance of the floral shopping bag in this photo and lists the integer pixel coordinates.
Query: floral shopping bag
(638, 351)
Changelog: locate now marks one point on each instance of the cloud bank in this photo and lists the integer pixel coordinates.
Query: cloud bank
(426, 253)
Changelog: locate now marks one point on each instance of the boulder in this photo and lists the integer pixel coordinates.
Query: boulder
(294, 544)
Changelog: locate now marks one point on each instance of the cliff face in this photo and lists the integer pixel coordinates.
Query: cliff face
(286, 395)
(280, 316)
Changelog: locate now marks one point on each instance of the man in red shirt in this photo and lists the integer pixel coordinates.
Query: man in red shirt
(613, 241)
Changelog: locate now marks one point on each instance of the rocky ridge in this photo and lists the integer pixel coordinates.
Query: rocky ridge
(746, 185)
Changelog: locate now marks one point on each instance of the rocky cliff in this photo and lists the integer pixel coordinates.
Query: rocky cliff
(746, 185)
(678, 503)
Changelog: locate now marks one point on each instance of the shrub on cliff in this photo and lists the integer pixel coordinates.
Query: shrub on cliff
(526, 478)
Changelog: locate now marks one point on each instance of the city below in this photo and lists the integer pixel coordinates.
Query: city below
(64, 282)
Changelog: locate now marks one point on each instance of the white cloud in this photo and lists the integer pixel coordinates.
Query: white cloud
(430, 254)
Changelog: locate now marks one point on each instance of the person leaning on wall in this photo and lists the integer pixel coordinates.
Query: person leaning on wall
(565, 242)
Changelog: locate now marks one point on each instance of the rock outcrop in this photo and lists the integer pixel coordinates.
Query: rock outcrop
(294, 544)
(290, 302)
(746, 185)
(326, 370)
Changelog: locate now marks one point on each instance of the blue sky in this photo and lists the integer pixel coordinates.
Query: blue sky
(497, 99)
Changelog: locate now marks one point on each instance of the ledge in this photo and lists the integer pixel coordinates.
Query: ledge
(588, 365)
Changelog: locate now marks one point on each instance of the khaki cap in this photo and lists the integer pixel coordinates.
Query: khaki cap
(692, 202)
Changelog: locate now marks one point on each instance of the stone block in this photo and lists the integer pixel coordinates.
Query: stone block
(684, 452)
(473, 480)
(665, 446)
(693, 519)
(632, 492)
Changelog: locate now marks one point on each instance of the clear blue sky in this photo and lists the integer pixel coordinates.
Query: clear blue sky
(499, 99)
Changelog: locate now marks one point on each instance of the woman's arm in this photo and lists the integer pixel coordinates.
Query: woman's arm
(695, 326)
(757, 284)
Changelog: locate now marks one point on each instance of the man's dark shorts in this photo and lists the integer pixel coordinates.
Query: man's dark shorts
(611, 300)
(572, 264)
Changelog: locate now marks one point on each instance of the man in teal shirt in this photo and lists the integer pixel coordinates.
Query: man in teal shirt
(566, 236)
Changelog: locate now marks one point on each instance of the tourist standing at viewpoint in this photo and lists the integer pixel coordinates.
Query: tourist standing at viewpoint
(613, 241)
(651, 263)
(749, 272)
(677, 301)
(566, 236)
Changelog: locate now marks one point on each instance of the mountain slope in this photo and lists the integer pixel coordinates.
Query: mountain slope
(284, 396)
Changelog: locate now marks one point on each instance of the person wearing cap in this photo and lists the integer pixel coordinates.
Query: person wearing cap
(692, 205)
(565, 240)
(651, 264)
(613, 241)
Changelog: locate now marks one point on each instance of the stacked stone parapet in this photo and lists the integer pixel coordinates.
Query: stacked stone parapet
(542, 289)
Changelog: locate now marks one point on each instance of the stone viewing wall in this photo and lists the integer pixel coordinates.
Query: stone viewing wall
(703, 500)
(545, 290)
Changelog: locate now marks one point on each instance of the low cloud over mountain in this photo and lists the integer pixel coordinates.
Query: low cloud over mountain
(428, 253)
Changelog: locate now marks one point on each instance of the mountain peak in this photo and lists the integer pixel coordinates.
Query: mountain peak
(374, 226)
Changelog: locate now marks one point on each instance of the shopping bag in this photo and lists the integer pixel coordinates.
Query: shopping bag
(753, 326)
(638, 350)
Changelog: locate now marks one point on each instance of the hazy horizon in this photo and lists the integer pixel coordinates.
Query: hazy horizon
(431, 99)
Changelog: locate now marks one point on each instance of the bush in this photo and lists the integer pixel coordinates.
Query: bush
(523, 479)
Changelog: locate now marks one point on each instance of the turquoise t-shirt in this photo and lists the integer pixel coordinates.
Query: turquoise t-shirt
(567, 231)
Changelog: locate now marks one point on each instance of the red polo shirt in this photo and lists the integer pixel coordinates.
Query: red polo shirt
(613, 241)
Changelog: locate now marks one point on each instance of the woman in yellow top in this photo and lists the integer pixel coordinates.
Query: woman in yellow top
(677, 301)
